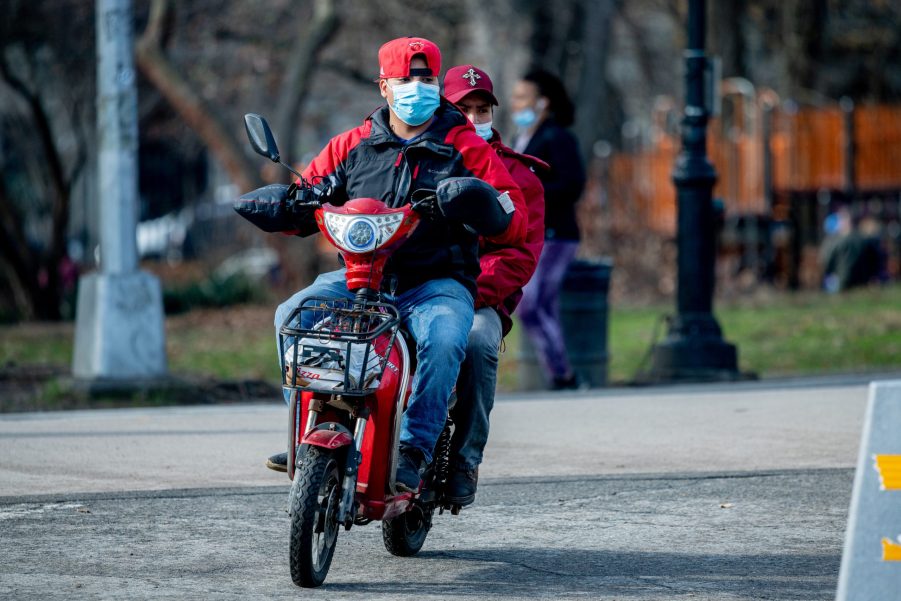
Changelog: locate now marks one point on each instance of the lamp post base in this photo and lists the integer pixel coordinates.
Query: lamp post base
(119, 330)
(694, 351)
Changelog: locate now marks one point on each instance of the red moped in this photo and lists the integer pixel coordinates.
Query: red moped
(348, 368)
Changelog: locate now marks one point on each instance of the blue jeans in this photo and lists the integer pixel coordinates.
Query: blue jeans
(475, 390)
(438, 314)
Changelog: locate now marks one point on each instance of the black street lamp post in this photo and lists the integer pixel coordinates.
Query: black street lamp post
(694, 348)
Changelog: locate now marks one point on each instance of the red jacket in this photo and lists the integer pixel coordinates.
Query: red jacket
(370, 161)
(507, 268)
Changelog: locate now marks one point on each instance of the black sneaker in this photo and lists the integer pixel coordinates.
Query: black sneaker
(278, 462)
(410, 466)
(571, 382)
(461, 486)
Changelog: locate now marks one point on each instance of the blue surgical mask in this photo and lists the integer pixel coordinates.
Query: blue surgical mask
(484, 130)
(415, 102)
(525, 118)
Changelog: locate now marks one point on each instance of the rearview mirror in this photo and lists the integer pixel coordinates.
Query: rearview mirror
(261, 139)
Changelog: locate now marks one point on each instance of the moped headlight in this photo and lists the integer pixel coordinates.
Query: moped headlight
(360, 235)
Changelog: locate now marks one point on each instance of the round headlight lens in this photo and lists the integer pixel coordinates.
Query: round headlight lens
(361, 235)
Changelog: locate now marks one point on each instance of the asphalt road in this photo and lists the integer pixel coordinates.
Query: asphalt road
(698, 493)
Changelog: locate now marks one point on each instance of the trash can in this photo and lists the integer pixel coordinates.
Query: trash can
(583, 313)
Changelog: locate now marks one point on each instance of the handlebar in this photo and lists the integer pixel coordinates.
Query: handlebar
(307, 195)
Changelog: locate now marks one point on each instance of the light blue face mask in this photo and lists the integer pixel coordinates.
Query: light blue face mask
(415, 102)
(484, 130)
(524, 118)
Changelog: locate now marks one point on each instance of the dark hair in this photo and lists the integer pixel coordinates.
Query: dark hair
(550, 86)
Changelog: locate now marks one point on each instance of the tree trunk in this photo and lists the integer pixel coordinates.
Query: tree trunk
(803, 26)
(18, 260)
(726, 35)
(591, 98)
(43, 297)
(301, 66)
(197, 114)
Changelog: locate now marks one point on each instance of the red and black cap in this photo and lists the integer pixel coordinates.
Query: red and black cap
(465, 79)
(395, 57)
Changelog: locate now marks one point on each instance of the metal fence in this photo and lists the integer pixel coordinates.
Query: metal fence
(764, 152)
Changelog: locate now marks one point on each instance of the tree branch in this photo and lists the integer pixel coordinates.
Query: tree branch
(349, 71)
(301, 66)
(197, 114)
(17, 257)
(42, 123)
(49, 297)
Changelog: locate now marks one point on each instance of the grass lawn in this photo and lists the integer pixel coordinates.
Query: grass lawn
(782, 334)
(805, 333)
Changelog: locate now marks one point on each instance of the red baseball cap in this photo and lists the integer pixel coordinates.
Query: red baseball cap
(465, 79)
(395, 56)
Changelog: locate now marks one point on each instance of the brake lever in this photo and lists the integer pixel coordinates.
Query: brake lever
(427, 206)
(301, 197)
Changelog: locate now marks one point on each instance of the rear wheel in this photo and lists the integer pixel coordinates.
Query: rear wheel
(315, 495)
(405, 534)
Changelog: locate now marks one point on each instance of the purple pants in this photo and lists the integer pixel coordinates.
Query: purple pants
(539, 308)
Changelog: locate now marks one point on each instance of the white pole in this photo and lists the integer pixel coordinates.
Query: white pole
(117, 134)
(119, 334)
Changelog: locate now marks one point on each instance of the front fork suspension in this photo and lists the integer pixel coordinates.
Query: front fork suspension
(348, 506)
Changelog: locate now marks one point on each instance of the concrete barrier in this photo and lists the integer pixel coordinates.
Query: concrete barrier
(871, 561)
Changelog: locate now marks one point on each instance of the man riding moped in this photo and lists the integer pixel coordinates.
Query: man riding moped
(413, 145)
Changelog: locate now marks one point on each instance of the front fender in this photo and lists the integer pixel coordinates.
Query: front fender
(327, 438)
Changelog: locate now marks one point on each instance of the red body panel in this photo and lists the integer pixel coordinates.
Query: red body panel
(365, 270)
(378, 441)
(387, 509)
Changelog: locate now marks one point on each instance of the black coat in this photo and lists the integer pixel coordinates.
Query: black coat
(564, 183)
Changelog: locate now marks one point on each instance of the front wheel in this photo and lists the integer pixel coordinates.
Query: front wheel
(315, 495)
(404, 535)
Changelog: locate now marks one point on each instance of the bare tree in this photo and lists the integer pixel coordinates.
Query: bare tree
(572, 38)
(727, 36)
(206, 119)
(198, 114)
(802, 36)
(47, 137)
(592, 98)
(301, 67)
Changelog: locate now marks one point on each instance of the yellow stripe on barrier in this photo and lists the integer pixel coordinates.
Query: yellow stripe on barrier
(889, 468)
(890, 551)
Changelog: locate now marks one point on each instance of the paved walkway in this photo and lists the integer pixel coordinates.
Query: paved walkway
(699, 429)
(708, 492)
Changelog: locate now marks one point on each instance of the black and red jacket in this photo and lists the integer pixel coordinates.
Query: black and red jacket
(370, 161)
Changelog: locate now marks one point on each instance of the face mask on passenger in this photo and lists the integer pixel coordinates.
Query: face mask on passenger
(483, 129)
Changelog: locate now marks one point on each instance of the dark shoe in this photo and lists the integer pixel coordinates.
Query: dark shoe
(410, 466)
(571, 382)
(278, 462)
(461, 486)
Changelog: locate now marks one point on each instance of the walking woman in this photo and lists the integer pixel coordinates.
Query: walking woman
(542, 110)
